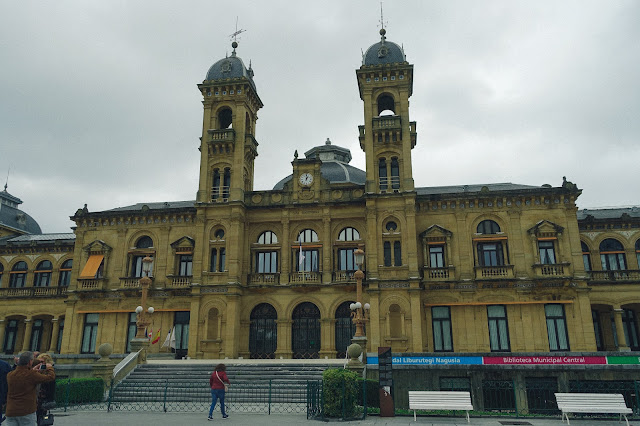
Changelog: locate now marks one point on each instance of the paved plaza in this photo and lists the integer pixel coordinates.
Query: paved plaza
(155, 418)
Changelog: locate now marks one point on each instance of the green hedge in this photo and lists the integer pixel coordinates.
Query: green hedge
(340, 392)
(79, 391)
(373, 395)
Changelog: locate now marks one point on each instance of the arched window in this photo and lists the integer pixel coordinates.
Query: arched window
(586, 256)
(225, 118)
(218, 257)
(307, 236)
(144, 248)
(42, 275)
(386, 103)
(344, 254)
(612, 255)
(18, 275)
(266, 259)
(491, 251)
(391, 245)
(488, 227)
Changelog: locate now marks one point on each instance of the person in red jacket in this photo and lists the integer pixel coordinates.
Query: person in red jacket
(218, 383)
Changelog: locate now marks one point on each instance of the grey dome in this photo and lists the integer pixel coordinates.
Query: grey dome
(229, 68)
(14, 218)
(334, 168)
(383, 52)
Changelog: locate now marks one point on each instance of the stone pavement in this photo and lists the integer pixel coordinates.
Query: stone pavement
(158, 418)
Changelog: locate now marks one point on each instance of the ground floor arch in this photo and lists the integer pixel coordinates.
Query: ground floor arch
(263, 332)
(305, 332)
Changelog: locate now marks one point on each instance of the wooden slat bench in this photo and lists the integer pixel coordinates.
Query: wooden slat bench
(592, 403)
(440, 400)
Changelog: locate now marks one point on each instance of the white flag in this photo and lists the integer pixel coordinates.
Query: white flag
(173, 338)
(301, 256)
(167, 341)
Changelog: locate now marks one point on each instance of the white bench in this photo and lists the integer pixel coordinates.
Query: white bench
(592, 403)
(439, 400)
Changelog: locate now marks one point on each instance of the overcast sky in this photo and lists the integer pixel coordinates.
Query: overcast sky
(99, 104)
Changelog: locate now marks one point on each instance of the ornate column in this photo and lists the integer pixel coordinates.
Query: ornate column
(2, 329)
(623, 346)
(54, 334)
(28, 327)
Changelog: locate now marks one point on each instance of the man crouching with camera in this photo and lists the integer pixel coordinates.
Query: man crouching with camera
(23, 390)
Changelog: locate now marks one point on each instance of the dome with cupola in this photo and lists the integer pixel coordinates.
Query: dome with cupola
(230, 68)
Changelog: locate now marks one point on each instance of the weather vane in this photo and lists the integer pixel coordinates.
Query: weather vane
(235, 35)
(382, 21)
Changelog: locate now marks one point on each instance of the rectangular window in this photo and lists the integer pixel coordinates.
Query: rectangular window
(136, 267)
(436, 256)
(586, 260)
(89, 333)
(213, 264)
(60, 333)
(498, 328)
(441, 322)
(36, 335)
(490, 254)
(223, 256)
(10, 336)
(397, 254)
(309, 261)
(186, 265)
(630, 328)
(556, 327)
(132, 329)
(267, 262)
(613, 262)
(597, 329)
(547, 252)
(346, 260)
(17, 279)
(387, 253)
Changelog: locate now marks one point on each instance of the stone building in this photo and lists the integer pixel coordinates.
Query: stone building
(477, 268)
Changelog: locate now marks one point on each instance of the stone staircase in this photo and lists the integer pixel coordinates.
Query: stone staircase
(184, 382)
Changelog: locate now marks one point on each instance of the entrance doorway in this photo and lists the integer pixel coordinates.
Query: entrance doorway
(181, 324)
(263, 332)
(305, 337)
(345, 329)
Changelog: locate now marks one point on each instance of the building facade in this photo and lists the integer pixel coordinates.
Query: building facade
(268, 274)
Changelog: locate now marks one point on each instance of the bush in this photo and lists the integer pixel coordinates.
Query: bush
(373, 394)
(80, 391)
(340, 392)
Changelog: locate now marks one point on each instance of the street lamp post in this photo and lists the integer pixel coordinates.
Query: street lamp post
(143, 317)
(358, 315)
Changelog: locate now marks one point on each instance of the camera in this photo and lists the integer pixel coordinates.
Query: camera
(43, 366)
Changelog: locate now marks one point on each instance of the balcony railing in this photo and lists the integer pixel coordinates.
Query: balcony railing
(494, 272)
(626, 275)
(33, 292)
(264, 278)
(90, 284)
(387, 122)
(438, 274)
(304, 277)
(554, 270)
(224, 135)
(343, 276)
(180, 282)
(390, 184)
(129, 282)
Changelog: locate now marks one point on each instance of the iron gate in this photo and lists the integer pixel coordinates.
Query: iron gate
(345, 329)
(263, 332)
(305, 338)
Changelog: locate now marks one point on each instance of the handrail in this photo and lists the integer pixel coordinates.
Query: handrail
(125, 365)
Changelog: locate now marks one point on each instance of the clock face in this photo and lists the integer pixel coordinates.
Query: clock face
(306, 179)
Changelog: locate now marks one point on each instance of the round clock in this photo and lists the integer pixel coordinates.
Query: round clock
(306, 179)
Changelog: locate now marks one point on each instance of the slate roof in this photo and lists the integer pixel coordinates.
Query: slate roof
(609, 213)
(462, 189)
(383, 52)
(229, 68)
(334, 172)
(37, 239)
(163, 205)
(14, 218)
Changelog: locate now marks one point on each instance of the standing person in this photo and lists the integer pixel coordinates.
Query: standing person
(218, 382)
(5, 368)
(47, 391)
(23, 383)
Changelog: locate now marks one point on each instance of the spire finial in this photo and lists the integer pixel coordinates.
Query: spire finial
(234, 37)
(6, 183)
(382, 23)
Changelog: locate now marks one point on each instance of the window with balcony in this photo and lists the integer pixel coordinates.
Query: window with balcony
(389, 174)
(97, 253)
(612, 255)
(344, 249)
(556, 327)
(547, 252)
(18, 275)
(491, 250)
(89, 333)
(441, 324)
(65, 273)
(586, 256)
(490, 254)
(183, 251)
(218, 257)
(498, 328)
(265, 257)
(143, 248)
(221, 183)
(42, 274)
(436, 242)
(307, 252)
